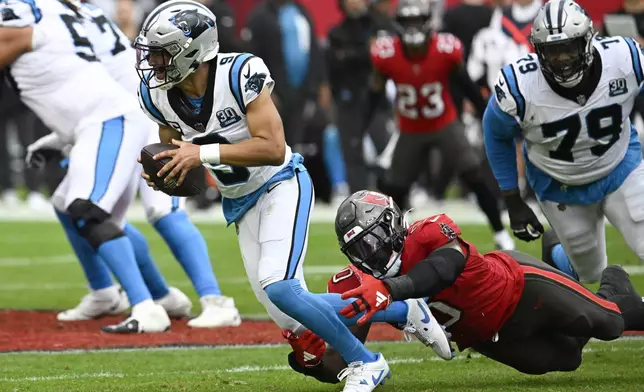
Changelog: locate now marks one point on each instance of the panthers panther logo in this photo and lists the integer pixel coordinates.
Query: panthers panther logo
(254, 83)
(192, 23)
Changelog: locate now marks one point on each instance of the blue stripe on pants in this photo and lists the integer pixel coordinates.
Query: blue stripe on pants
(107, 156)
(301, 226)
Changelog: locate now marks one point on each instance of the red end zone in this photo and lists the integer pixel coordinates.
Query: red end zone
(38, 331)
(35, 330)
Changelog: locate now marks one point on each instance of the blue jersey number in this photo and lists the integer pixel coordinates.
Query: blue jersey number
(609, 115)
(238, 175)
(529, 66)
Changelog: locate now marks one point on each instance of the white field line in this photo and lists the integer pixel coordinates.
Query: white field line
(252, 369)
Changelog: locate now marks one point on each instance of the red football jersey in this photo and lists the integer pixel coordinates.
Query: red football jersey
(481, 300)
(423, 100)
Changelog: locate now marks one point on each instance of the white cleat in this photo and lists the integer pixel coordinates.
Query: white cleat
(217, 311)
(422, 324)
(504, 241)
(109, 301)
(176, 303)
(365, 377)
(147, 317)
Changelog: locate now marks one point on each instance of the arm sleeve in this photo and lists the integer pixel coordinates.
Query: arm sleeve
(16, 13)
(148, 106)
(429, 277)
(249, 77)
(499, 132)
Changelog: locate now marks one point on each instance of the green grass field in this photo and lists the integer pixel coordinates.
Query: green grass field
(38, 271)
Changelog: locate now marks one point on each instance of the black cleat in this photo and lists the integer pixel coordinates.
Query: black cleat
(129, 325)
(616, 287)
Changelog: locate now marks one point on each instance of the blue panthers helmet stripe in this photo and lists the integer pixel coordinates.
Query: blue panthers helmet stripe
(511, 79)
(147, 102)
(635, 59)
(235, 78)
(153, 17)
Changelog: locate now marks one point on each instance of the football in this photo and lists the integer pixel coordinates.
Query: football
(193, 184)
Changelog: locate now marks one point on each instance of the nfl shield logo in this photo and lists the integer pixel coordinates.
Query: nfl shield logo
(581, 100)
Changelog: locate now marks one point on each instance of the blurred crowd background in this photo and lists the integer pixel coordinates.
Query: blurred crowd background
(318, 54)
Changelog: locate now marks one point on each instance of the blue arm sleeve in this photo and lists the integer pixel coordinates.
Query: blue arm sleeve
(499, 132)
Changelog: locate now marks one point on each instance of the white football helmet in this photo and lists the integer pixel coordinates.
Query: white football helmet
(175, 39)
(562, 36)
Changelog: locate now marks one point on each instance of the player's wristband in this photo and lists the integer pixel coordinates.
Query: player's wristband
(209, 153)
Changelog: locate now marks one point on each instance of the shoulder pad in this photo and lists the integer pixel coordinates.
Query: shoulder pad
(148, 106)
(449, 44)
(383, 48)
(248, 77)
(637, 58)
(17, 13)
(436, 230)
(508, 92)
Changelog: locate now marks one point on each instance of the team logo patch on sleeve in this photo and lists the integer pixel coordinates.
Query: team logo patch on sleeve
(254, 83)
(447, 231)
(500, 94)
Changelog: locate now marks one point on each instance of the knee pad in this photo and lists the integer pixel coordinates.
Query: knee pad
(583, 251)
(93, 223)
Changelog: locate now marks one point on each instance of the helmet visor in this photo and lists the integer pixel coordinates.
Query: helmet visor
(564, 60)
(155, 64)
(371, 250)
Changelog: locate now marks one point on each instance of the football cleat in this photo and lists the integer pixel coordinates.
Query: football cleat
(616, 286)
(176, 303)
(147, 317)
(365, 377)
(109, 301)
(216, 311)
(422, 324)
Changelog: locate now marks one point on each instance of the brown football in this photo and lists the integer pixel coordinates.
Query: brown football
(193, 184)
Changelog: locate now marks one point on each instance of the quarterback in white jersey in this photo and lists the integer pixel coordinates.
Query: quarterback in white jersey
(53, 67)
(571, 103)
(217, 108)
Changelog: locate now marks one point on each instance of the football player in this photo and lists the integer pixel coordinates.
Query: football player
(217, 108)
(421, 63)
(571, 101)
(164, 212)
(505, 305)
(52, 66)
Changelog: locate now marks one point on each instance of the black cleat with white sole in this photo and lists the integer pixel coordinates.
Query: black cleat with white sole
(130, 325)
(616, 287)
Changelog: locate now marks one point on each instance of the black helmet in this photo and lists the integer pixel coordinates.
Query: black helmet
(414, 23)
(371, 230)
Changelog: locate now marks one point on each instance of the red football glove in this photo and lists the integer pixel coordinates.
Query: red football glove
(308, 347)
(373, 295)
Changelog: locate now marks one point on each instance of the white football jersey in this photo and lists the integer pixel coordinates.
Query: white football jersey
(60, 79)
(576, 143)
(236, 81)
(112, 47)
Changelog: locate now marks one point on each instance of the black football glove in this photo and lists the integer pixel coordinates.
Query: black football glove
(40, 158)
(524, 223)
